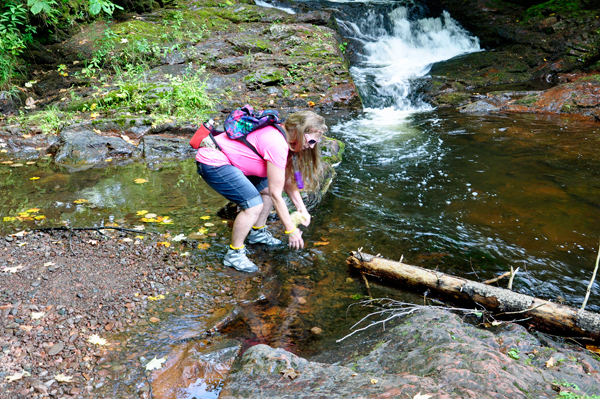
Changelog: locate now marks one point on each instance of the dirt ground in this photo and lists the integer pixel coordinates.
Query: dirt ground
(58, 291)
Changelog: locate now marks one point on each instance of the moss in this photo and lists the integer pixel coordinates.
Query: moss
(527, 100)
(551, 7)
(454, 99)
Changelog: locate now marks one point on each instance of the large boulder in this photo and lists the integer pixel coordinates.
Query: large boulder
(432, 352)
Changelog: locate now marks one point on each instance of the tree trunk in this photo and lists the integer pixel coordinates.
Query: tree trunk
(544, 315)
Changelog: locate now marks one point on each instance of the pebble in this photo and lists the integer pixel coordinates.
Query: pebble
(36, 284)
(56, 348)
(316, 330)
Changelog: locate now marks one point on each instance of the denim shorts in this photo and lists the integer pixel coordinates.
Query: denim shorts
(232, 184)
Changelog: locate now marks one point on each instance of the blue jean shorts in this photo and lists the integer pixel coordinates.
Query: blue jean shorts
(232, 184)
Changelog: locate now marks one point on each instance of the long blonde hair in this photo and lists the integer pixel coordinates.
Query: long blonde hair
(308, 160)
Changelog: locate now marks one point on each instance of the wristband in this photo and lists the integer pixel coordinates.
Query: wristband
(291, 231)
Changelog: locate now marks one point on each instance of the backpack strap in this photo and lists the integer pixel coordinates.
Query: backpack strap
(253, 148)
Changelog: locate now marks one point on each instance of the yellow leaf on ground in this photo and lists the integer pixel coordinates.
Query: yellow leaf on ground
(21, 244)
(156, 298)
(37, 315)
(593, 348)
(94, 115)
(140, 181)
(33, 210)
(13, 269)
(40, 217)
(97, 131)
(166, 220)
(163, 244)
(203, 245)
(108, 160)
(203, 230)
(16, 376)
(9, 218)
(140, 237)
(80, 201)
(96, 340)
(550, 363)
(155, 363)
(23, 214)
(373, 381)
(204, 217)
(63, 378)
(34, 178)
(141, 213)
(319, 243)
(6, 162)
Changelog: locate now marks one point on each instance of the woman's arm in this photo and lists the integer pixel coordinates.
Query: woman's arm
(292, 191)
(276, 179)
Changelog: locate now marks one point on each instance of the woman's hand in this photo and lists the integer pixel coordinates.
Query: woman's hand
(295, 239)
(306, 220)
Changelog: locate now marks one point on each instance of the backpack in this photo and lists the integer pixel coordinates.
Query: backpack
(238, 124)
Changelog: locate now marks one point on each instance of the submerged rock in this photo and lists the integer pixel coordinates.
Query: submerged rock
(432, 352)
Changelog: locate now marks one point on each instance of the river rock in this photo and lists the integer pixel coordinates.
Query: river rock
(160, 147)
(432, 352)
(80, 145)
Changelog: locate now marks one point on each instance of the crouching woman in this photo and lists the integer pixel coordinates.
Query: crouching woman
(256, 183)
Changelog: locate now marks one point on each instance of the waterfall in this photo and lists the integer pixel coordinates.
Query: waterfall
(397, 50)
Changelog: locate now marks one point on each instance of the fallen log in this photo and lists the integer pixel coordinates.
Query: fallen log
(542, 315)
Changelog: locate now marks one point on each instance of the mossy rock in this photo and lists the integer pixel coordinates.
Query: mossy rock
(453, 99)
(265, 77)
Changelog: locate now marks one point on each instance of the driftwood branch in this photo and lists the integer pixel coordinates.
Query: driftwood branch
(544, 315)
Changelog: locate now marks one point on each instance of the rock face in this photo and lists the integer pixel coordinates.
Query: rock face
(432, 353)
(532, 41)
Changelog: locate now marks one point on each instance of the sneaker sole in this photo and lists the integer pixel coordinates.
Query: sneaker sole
(240, 270)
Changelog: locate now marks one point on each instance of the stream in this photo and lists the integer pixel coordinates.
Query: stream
(470, 195)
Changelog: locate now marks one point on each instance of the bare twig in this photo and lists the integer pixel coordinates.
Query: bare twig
(513, 273)
(61, 228)
(521, 311)
(587, 294)
(500, 277)
(367, 284)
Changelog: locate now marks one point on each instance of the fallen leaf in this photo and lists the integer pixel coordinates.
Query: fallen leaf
(154, 320)
(80, 201)
(593, 348)
(94, 115)
(95, 339)
(48, 264)
(290, 373)
(63, 378)
(373, 381)
(419, 396)
(151, 215)
(97, 131)
(13, 269)
(141, 213)
(140, 181)
(9, 219)
(21, 244)
(127, 239)
(209, 224)
(140, 237)
(25, 328)
(108, 160)
(15, 377)
(204, 217)
(92, 242)
(163, 244)
(166, 220)
(21, 233)
(40, 217)
(155, 363)
(319, 243)
(23, 214)
(37, 315)
(550, 363)
(184, 254)
(127, 140)
(30, 162)
(33, 210)
(156, 298)
(179, 237)
(203, 245)
(496, 323)
(139, 227)
(34, 178)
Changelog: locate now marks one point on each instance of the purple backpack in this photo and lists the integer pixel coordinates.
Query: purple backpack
(243, 121)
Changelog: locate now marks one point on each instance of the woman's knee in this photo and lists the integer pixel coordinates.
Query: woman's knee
(255, 210)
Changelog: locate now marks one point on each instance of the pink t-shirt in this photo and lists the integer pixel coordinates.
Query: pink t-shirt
(268, 141)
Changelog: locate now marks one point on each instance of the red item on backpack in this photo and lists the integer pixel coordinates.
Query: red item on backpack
(203, 132)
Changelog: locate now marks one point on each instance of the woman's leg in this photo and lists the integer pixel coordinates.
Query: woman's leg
(267, 208)
(243, 223)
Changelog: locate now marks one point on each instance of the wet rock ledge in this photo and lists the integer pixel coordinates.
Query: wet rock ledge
(429, 353)
(244, 54)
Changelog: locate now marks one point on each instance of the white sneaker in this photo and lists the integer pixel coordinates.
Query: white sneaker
(237, 259)
(262, 236)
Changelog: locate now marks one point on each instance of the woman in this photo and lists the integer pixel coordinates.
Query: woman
(256, 184)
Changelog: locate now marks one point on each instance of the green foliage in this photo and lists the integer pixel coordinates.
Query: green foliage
(514, 353)
(552, 7)
(50, 120)
(96, 6)
(45, 6)
(572, 395)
